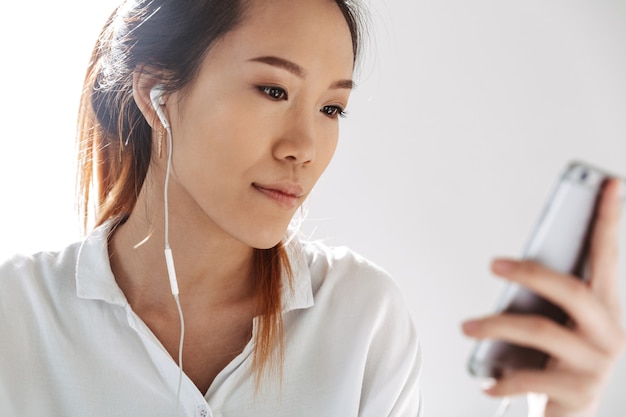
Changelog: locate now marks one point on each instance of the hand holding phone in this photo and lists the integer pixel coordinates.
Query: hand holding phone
(580, 326)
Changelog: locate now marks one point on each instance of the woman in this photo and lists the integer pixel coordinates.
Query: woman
(203, 127)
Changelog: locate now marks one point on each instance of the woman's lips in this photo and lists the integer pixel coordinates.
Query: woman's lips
(287, 195)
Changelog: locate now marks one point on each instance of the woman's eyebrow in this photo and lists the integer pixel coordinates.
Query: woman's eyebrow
(349, 84)
(292, 67)
(297, 70)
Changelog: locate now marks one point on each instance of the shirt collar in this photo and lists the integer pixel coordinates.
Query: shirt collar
(95, 280)
(298, 295)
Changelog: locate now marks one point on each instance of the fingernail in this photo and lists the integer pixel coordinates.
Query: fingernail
(620, 189)
(502, 266)
(470, 326)
(487, 384)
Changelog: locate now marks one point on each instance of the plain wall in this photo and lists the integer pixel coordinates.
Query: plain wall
(465, 114)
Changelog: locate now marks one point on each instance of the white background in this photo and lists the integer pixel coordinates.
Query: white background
(465, 114)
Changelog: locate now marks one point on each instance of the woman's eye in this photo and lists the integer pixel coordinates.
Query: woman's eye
(275, 93)
(333, 111)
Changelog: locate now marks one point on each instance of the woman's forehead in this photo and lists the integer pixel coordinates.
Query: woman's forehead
(294, 27)
(289, 18)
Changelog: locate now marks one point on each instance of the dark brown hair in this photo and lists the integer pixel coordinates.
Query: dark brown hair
(115, 141)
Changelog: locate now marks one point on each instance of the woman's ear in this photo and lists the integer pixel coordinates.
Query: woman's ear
(144, 79)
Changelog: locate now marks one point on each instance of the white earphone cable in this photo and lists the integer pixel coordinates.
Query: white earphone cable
(169, 259)
(503, 407)
(180, 354)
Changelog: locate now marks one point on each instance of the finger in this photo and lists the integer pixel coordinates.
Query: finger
(567, 391)
(573, 296)
(572, 351)
(604, 253)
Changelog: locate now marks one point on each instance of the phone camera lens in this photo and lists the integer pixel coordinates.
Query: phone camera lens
(584, 175)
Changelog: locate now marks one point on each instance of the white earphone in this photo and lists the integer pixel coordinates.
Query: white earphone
(156, 98)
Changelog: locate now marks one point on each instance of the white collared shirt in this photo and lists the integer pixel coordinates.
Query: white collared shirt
(71, 345)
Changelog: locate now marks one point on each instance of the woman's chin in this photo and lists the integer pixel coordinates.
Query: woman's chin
(267, 240)
(268, 244)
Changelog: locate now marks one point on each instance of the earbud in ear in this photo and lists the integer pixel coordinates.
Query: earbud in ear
(156, 98)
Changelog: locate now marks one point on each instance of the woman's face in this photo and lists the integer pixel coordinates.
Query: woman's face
(259, 124)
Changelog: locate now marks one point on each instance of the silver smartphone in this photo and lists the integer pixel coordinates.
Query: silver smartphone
(560, 241)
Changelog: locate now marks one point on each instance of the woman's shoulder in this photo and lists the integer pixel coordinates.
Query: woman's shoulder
(341, 260)
(40, 271)
(51, 266)
(338, 271)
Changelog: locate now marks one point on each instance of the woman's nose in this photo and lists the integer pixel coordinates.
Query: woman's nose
(297, 142)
